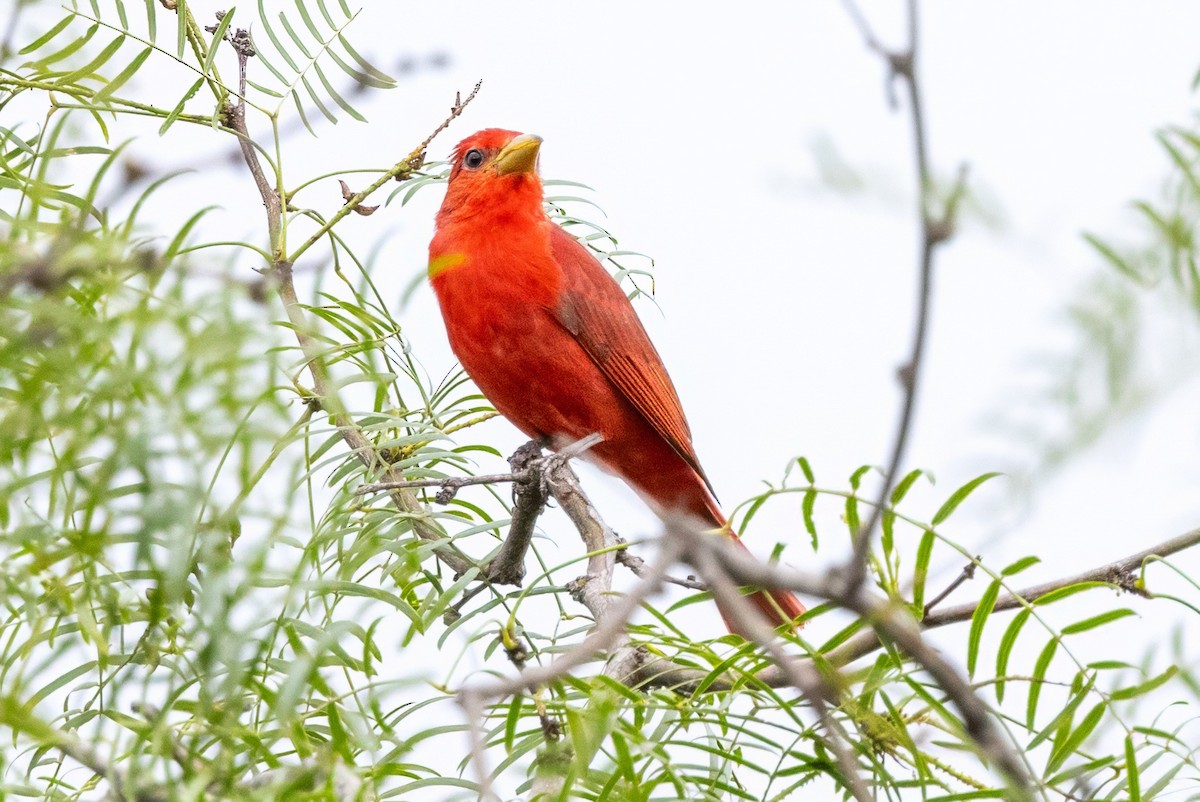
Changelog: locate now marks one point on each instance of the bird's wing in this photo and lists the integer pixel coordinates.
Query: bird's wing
(594, 309)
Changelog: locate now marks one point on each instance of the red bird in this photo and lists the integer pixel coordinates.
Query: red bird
(552, 341)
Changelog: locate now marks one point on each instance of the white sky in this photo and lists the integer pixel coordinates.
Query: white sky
(786, 308)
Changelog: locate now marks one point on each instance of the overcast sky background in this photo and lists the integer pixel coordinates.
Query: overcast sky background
(786, 306)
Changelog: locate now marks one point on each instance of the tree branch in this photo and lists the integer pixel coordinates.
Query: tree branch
(890, 620)
(358, 443)
(656, 672)
(529, 499)
(903, 65)
(608, 631)
(804, 677)
(1120, 574)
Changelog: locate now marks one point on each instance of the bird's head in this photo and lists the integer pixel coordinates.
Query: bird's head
(494, 171)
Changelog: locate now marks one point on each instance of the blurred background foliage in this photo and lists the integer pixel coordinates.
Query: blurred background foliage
(197, 604)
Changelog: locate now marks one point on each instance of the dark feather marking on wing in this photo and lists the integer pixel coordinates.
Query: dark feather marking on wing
(623, 352)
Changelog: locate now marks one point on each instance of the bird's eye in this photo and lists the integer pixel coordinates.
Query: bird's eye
(474, 159)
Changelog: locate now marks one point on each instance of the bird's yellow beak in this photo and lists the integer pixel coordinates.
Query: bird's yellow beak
(519, 156)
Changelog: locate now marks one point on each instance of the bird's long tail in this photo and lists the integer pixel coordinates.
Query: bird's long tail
(679, 488)
(779, 607)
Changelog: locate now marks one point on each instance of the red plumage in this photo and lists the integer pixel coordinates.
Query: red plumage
(552, 340)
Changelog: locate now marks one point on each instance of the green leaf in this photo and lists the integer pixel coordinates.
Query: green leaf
(1097, 621)
(887, 525)
(37, 43)
(175, 112)
(1116, 260)
(89, 70)
(337, 98)
(512, 720)
(921, 570)
(806, 469)
(810, 500)
(1039, 674)
(959, 496)
(366, 79)
(151, 19)
(1062, 593)
(181, 236)
(316, 99)
(296, 40)
(1020, 565)
(1133, 781)
(1006, 646)
(70, 49)
(279, 48)
(123, 77)
(308, 23)
(181, 16)
(904, 485)
(1182, 162)
(856, 477)
(978, 620)
(853, 523)
(1061, 723)
(362, 62)
(1071, 744)
(1143, 688)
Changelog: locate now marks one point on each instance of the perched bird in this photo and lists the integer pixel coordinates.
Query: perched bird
(552, 341)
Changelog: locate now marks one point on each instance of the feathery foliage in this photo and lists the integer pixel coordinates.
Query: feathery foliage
(199, 604)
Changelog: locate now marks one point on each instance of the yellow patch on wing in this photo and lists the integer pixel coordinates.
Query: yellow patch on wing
(443, 262)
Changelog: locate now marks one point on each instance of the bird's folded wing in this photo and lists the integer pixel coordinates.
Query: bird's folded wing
(594, 309)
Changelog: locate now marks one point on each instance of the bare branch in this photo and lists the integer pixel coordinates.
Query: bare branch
(636, 564)
(804, 678)
(1120, 574)
(594, 590)
(602, 639)
(968, 572)
(459, 106)
(890, 620)
(646, 671)
(902, 65)
(529, 499)
(358, 443)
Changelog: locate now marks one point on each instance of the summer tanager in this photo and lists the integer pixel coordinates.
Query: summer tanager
(552, 341)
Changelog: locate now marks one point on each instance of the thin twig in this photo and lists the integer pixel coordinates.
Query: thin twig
(638, 566)
(401, 171)
(805, 678)
(657, 672)
(474, 699)
(450, 485)
(459, 105)
(903, 65)
(892, 621)
(324, 395)
(1120, 574)
(968, 572)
